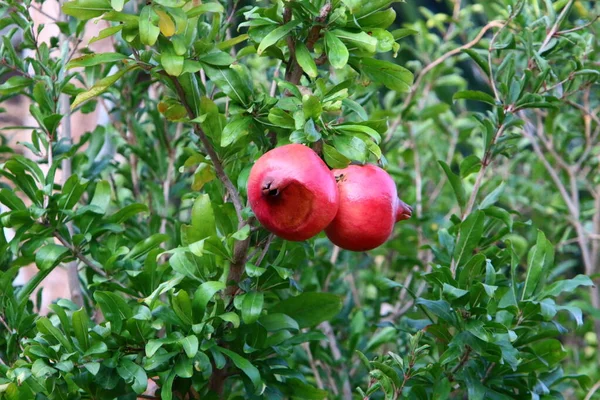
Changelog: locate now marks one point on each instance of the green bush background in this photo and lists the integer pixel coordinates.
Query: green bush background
(485, 114)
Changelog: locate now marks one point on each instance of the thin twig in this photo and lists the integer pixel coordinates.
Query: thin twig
(81, 257)
(444, 57)
(556, 25)
(265, 249)
(313, 366)
(219, 170)
(44, 13)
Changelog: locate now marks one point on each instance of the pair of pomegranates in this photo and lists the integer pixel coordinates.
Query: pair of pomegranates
(295, 195)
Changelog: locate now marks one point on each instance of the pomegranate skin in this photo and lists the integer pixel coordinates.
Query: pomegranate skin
(369, 208)
(292, 192)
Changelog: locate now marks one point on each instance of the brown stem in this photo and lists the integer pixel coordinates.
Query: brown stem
(219, 170)
(294, 71)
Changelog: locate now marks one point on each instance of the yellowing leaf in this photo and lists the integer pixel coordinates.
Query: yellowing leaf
(165, 23)
(100, 87)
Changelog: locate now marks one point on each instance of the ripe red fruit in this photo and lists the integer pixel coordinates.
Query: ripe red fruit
(292, 192)
(369, 208)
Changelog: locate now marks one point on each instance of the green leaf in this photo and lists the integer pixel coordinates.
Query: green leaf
(96, 348)
(90, 60)
(86, 9)
(470, 165)
(337, 52)
(218, 58)
(334, 158)
(127, 212)
(493, 197)
(172, 63)
(80, 328)
(231, 317)
(92, 367)
(117, 5)
(472, 271)
(204, 294)
(100, 87)
(203, 218)
(456, 183)
(190, 345)
(310, 309)
(305, 60)
(403, 32)
(14, 84)
(246, 366)
(304, 391)
(391, 75)
(479, 60)
(439, 308)
(142, 248)
(235, 129)
(470, 233)
(544, 354)
(275, 35)
(134, 374)
(474, 95)
(45, 327)
(102, 194)
(148, 26)
(280, 118)
(362, 40)
(252, 306)
(539, 260)
(567, 285)
(205, 8)
(351, 147)
(276, 321)
(311, 107)
(182, 306)
(104, 33)
(115, 309)
(11, 200)
(50, 256)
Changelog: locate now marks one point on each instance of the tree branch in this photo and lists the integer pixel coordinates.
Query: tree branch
(294, 71)
(219, 170)
(444, 57)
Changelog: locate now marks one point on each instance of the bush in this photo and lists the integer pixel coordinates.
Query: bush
(490, 130)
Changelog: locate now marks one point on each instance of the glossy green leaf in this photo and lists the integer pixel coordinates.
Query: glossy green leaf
(86, 9)
(252, 306)
(470, 232)
(246, 366)
(310, 309)
(305, 60)
(50, 256)
(276, 35)
(390, 75)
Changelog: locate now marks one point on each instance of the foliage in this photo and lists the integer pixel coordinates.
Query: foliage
(494, 142)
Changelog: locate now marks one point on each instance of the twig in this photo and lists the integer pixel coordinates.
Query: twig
(44, 13)
(265, 249)
(463, 361)
(81, 257)
(169, 178)
(438, 61)
(65, 135)
(556, 25)
(313, 366)
(337, 356)
(578, 28)
(488, 372)
(219, 170)
(294, 71)
(485, 162)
